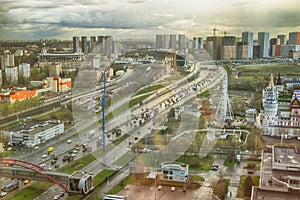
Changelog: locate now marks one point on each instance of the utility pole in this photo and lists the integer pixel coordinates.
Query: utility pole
(103, 111)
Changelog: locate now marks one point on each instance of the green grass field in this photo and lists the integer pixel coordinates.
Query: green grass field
(149, 89)
(32, 191)
(125, 158)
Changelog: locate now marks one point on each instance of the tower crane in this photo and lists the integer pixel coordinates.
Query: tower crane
(214, 31)
(226, 33)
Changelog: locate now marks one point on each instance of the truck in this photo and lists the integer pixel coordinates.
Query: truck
(10, 187)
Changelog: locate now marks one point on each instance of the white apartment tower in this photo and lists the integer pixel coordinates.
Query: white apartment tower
(24, 70)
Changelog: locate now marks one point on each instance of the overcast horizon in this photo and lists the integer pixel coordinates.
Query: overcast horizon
(39, 19)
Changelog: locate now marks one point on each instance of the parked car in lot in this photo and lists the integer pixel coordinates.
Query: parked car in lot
(214, 167)
(56, 197)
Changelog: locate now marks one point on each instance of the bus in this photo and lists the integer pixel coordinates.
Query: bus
(10, 187)
(113, 197)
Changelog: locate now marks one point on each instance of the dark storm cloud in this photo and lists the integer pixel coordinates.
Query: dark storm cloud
(136, 1)
(188, 16)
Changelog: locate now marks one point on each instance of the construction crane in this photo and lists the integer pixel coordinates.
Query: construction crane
(214, 31)
(226, 33)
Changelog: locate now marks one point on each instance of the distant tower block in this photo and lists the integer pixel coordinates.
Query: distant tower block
(224, 112)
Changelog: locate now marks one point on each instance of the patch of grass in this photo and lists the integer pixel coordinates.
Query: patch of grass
(137, 100)
(229, 164)
(74, 198)
(198, 178)
(121, 139)
(6, 154)
(102, 176)
(77, 164)
(117, 111)
(32, 191)
(240, 192)
(61, 114)
(204, 94)
(125, 158)
(100, 152)
(149, 89)
(120, 186)
(196, 163)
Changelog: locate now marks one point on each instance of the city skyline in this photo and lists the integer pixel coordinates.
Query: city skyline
(144, 18)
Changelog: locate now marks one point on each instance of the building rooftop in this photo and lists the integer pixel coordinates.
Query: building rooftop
(285, 157)
(279, 174)
(78, 174)
(33, 127)
(174, 165)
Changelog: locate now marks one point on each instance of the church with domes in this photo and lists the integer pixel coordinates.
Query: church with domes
(280, 112)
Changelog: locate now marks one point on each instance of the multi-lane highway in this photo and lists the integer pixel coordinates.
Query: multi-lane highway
(129, 85)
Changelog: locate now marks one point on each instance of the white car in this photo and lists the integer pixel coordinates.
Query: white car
(56, 197)
(44, 156)
(69, 141)
(36, 147)
(3, 194)
(43, 165)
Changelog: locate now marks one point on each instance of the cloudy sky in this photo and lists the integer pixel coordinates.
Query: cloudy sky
(35, 19)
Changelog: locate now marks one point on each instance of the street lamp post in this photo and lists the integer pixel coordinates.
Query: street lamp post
(103, 111)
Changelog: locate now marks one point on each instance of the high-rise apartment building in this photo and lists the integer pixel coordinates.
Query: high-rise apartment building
(242, 50)
(166, 41)
(159, 41)
(76, 44)
(229, 41)
(294, 38)
(256, 51)
(213, 47)
(181, 42)
(11, 74)
(282, 39)
(248, 37)
(55, 69)
(108, 42)
(93, 43)
(198, 43)
(263, 42)
(84, 44)
(173, 41)
(273, 43)
(24, 70)
(228, 48)
(100, 43)
(116, 47)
